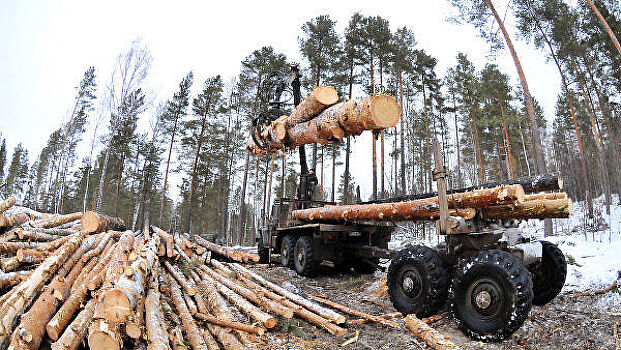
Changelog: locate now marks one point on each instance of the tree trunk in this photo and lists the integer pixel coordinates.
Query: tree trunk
(193, 177)
(605, 25)
(504, 123)
(458, 149)
(536, 147)
(242, 205)
(402, 137)
(172, 142)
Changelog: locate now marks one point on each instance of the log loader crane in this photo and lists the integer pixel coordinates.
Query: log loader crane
(486, 268)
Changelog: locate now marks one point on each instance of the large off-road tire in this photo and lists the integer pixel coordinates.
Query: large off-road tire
(304, 257)
(417, 281)
(365, 266)
(491, 295)
(549, 274)
(287, 246)
(263, 252)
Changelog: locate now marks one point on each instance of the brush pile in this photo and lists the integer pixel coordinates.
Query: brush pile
(76, 279)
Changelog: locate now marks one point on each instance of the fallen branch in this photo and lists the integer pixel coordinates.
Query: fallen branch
(345, 309)
(596, 291)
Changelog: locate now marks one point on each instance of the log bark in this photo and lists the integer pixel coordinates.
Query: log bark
(6, 203)
(98, 248)
(266, 303)
(26, 234)
(420, 209)
(238, 256)
(345, 309)
(72, 338)
(12, 278)
(29, 333)
(267, 320)
(546, 196)
(157, 335)
(191, 330)
(167, 240)
(94, 222)
(25, 291)
(13, 247)
(359, 321)
(230, 324)
(57, 220)
(176, 339)
(321, 98)
(430, 336)
(534, 209)
(322, 311)
(189, 287)
(77, 294)
(11, 264)
(299, 310)
(8, 220)
(129, 288)
(349, 118)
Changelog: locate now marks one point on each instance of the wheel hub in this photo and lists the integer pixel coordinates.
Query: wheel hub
(411, 283)
(485, 298)
(301, 257)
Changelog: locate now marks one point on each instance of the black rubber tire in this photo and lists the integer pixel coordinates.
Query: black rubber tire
(361, 266)
(423, 267)
(304, 258)
(548, 275)
(286, 251)
(263, 252)
(507, 284)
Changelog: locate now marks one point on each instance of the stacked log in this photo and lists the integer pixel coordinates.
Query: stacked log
(94, 222)
(234, 255)
(6, 203)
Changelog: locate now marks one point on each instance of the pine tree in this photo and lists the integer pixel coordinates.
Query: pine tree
(2, 159)
(17, 173)
(175, 110)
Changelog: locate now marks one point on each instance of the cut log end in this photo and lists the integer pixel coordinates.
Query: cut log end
(116, 305)
(326, 95)
(385, 111)
(90, 222)
(103, 341)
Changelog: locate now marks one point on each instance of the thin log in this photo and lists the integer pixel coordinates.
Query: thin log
(12, 278)
(167, 240)
(7, 203)
(534, 209)
(320, 310)
(189, 287)
(420, 209)
(57, 220)
(319, 99)
(596, 291)
(94, 222)
(266, 320)
(8, 220)
(430, 336)
(72, 338)
(157, 335)
(99, 248)
(191, 330)
(29, 333)
(227, 252)
(359, 321)
(435, 318)
(230, 324)
(357, 313)
(546, 196)
(26, 234)
(25, 291)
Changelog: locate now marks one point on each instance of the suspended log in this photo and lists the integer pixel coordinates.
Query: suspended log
(72, 338)
(321, 98)
(320, 310)
(8, 220)
(29, 333)
(94, 222)
(534, 209)
(12, 278)
(420, 209)
(430, 336)
(7, 203)
(191, 330)
(128, 289)
(57, 220)
(360, 321)
(345, 309)
(35, 282)
(227, 252)
(546, 196)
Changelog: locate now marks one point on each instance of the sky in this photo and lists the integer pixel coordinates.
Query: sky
(45, 47)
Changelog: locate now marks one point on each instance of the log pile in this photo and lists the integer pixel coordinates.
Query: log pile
(109, 289)
(319, 119)
(489, 203)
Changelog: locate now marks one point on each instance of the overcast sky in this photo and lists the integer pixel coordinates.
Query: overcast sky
(45, 47)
